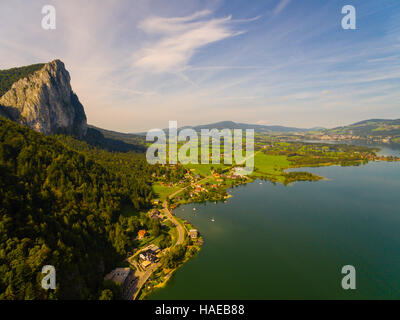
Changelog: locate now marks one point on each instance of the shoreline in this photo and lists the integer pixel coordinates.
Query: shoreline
(316, 178)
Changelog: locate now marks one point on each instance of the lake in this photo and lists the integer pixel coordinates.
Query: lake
(275, 242)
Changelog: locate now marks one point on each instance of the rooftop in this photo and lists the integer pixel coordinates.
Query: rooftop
(118, 275)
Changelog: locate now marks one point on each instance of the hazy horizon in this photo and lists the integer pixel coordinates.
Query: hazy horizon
(215, 122)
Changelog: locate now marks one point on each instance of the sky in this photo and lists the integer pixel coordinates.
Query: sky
(137, 64)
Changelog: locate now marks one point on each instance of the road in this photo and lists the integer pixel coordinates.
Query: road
(144, 276)
(169, 215)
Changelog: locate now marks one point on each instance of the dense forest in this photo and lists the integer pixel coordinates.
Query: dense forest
(8, 77)
(61, 203)
(97, 138)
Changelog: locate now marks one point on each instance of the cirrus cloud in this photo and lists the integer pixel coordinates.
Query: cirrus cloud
(178, 38)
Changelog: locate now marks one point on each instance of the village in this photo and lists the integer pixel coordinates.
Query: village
(345, 137)
(150, 266)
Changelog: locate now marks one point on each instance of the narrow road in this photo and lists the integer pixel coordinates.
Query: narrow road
(142, 278)
(181, 231)
(170, 216)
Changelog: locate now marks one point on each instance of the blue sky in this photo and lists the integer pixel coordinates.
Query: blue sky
(137, 64)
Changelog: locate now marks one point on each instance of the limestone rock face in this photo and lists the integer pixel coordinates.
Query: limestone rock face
(45, 102)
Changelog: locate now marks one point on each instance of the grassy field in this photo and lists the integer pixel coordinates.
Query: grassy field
(270, 165)
(163, 192)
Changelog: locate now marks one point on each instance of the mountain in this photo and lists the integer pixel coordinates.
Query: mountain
(115, 141)
(373, 129)
(40, 97)
(234, 125)
(243, 126)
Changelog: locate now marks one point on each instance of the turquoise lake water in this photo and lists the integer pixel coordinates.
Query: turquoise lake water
(275, 242)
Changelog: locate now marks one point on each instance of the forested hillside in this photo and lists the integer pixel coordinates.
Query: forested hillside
(60, 207)
(8, 77)
(373, 127)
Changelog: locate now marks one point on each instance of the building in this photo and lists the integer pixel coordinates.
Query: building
(153, 248)
(124, 277)
(141, 234)
(149, 256)
(118, 275)
(240, 171)
(145, 263)
(193, 233)
(155, 214)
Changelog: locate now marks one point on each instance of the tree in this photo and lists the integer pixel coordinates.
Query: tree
(106, 294)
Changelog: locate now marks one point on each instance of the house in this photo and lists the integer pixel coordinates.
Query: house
(148, 255)
(193, 233)
(155, 214)
(118, 275)
(141, 234)
(126, 278)
(153, 248)
(240, 171)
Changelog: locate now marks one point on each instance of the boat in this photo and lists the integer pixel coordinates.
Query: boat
(212, 220)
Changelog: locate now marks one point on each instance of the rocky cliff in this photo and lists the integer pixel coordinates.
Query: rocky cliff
(45, 102)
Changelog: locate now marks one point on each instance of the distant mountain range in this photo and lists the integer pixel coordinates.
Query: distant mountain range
(373, 127)
(384, 130)
(234, 125)
(374, 130)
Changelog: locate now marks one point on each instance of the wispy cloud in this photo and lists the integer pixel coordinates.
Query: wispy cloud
(281, 6)
(179, 38)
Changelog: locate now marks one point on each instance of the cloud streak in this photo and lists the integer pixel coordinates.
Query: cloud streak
(281, 6)
(179, 38)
